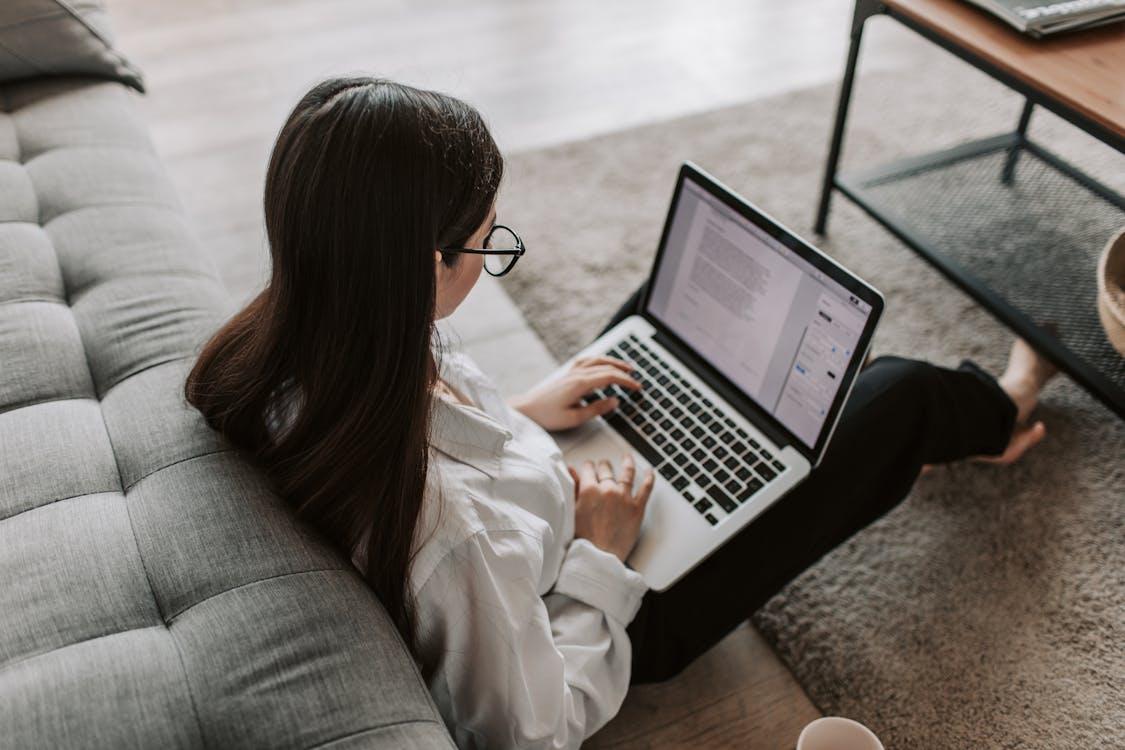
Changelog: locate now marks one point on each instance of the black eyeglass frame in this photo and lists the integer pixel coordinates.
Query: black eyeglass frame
(516, 253)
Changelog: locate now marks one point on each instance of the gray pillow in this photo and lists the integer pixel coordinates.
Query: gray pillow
(51, 37)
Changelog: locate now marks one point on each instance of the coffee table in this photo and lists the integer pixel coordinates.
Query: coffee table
(1008, 221)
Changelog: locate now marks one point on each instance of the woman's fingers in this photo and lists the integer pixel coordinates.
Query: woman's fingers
(580, 415)
(628, 470)
(604, 470)
(600, 377)
(587, 473)
(645, 491)
(610, 361)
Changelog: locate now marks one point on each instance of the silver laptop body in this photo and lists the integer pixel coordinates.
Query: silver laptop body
(747, 345)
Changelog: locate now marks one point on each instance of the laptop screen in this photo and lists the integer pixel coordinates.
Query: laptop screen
(773, 324)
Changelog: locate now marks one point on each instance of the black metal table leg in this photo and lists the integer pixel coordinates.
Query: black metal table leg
(1014, 151)
(864, 9)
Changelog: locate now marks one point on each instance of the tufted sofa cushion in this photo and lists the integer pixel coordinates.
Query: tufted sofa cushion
(154, 592)
(40, 37)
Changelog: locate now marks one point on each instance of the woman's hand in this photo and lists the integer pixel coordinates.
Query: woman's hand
(554, 405)
(606, 510)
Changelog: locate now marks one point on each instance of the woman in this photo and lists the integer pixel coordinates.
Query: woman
(501, 566)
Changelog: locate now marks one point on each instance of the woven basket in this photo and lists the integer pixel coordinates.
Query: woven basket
(1111, 291)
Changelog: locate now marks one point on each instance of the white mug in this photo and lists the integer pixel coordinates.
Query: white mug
(837, 733)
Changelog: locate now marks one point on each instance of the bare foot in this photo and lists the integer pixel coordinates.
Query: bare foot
(1024, 438)
(1027, 373)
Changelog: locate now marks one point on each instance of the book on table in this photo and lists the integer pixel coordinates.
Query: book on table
(1039, 18)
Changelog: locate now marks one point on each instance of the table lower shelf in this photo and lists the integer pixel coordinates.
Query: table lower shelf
(1021, 231)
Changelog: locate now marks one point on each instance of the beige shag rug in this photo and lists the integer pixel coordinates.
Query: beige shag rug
(988, 610)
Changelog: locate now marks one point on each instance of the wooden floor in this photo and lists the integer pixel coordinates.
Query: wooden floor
(222, 75)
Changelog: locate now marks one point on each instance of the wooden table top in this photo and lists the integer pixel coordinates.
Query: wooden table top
(1084, 70)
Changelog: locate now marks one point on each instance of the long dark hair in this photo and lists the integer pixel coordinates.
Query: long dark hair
(325, 378)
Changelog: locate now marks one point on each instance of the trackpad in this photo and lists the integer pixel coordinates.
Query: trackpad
(602, 443)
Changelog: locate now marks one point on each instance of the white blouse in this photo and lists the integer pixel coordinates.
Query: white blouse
(521, 624)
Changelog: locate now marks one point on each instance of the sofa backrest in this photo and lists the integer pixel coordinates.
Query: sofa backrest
(154, 592)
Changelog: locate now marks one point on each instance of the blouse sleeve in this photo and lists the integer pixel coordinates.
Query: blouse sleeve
(517, 670)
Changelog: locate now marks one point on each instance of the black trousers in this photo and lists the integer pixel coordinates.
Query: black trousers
(902, 414)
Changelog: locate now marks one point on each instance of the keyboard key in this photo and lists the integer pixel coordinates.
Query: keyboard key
(705, 418)
(710, 465)
(709, 442)
(698, 432)
(662, 379)
(698, 454)
(703, 481)
(720, 452)
(766, 454)
(677, 412)
(765, 472)
(754, 485)
(732, 487)
(729, 423)
(668, 471)
(629, 432)
(754, 444)
(688, 444)
(666, 402)
(722, 499)
(680, 483)
(666, 424)
(778, 465)
(711, 519)
(677, 434)
(694, 408)
(741, 433)
(679, 458)
(703, 505)
(689, 497)
(743, 473)
(647, 428)
(692, 469)
(658, 438)
(670, 448)
(732, 463)
(707, 403)
(716, 427)
(721, 475)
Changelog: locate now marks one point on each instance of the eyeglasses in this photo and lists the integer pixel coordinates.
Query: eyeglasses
(502, 248)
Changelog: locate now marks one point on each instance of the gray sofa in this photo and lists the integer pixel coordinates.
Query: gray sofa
(153, 591)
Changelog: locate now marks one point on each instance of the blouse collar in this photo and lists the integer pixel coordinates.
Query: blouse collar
(471, 435)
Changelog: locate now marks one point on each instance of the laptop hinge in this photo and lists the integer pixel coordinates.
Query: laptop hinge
(734, 397)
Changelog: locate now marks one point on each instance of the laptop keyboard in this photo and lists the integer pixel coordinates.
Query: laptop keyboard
(714, 463)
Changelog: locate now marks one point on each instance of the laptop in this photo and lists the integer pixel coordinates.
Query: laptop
(747, 346)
